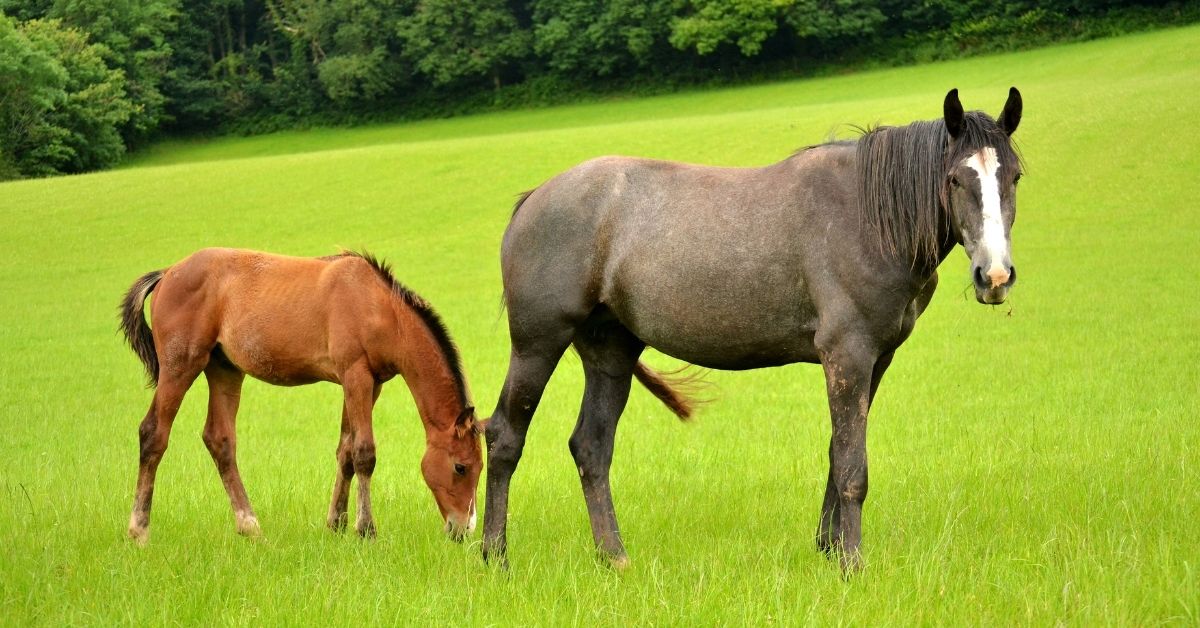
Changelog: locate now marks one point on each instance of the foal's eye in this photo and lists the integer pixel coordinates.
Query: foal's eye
(460, 469)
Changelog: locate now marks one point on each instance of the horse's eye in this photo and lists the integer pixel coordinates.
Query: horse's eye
(1017, 178)
(954, 181)
(460, 469)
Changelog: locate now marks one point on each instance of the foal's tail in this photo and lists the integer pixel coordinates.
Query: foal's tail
(672, 388)
(133, 323)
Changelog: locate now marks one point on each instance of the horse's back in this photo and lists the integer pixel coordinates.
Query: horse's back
(688, 257)
(272, 316)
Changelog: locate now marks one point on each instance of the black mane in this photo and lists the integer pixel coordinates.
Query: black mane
(903, 188)
(425, 311)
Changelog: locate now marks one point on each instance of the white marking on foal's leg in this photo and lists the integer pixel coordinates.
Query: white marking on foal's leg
(365, 523)
(986, 165)
(247, 524)
(138, 532)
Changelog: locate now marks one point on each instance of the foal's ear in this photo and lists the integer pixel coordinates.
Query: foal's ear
(465, 421)
(479, 426)
(952, 111)
(1011, 116)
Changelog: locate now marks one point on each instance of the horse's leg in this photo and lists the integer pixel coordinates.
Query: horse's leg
(361, 390)
(531, 362)
(153, 434)
(345, 472)
(827, 529)
(608, 362)
(220, 436)
(849, 363)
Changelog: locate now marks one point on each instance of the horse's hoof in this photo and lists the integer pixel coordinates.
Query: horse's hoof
(248, 527)
(139, 535)
(495, 558)
(851, 563)
(619, 563)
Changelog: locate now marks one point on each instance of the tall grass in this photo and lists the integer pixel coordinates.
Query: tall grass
(1033, 463)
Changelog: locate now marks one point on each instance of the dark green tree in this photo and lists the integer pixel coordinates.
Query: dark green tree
(588, 38)
(449, 41)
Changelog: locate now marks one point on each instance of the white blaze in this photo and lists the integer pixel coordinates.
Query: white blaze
(985, 164)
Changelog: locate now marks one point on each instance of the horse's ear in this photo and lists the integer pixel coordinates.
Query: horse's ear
(953, 112)
(1011, 116)
(465, 421)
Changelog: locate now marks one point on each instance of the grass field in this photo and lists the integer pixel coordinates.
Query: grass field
(1033, 464)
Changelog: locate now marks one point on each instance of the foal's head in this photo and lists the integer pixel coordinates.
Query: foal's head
(982, 170)
(451, 466)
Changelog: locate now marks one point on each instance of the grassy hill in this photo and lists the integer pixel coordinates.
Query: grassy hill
(1032, 463)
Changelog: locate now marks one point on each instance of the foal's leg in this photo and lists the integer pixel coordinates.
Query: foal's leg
(530, 365)
(828, 529)
(849, 364)
(345, 472)
(153, 434)
(608, 362)
(220, 436)
(361, 390)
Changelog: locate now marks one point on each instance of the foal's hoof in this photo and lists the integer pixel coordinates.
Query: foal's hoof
(366, 530)
(248, 527)
(139, 535)
(337, 523)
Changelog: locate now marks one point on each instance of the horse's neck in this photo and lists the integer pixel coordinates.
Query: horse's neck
(425, 367)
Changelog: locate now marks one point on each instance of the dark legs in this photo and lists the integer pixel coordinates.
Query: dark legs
(224, 394)
(355, 454)
(341, 483)
(609, 357)
(852, 376)
(153, 434)
(531, 363)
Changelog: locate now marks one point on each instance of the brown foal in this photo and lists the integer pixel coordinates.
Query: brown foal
(291, 321)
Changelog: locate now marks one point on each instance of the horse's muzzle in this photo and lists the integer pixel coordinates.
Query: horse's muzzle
(458, 528)
(991, 287)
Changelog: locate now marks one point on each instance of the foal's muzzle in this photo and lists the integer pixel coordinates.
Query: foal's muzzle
(459, 527)
(992, 285)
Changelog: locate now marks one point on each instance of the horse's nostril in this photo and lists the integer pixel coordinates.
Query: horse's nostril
(979, 278)
(1012, 275)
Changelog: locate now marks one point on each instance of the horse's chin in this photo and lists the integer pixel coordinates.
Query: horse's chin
(992, 296)
(459, 529)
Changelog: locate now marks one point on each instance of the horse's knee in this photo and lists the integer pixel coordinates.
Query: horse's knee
(151, 444)
(220, 446)
(854, 490)
(364, 458)
(504, 449)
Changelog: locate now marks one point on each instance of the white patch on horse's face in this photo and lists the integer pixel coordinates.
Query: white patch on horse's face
(986, 165)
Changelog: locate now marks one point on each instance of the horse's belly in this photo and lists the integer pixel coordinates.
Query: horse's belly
(751, 335)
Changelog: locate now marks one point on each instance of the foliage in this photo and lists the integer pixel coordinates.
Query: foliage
(595, 39)
(449, 41)
(212, 66)
(62, 107)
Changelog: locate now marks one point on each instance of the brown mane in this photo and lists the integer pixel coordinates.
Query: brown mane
(432, 321)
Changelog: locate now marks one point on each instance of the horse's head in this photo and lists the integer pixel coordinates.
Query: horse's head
(980, 191)
(451, 466)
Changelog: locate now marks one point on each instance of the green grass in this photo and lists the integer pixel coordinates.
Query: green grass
(1035, 463)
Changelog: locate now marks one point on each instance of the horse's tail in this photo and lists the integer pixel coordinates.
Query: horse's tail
(133, 323)
(673, 389)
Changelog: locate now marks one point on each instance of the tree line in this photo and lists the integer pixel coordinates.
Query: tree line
(83, 81)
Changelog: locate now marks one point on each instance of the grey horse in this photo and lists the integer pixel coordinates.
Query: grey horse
(828, 257)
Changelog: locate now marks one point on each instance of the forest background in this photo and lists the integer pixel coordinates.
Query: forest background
(84, 82)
